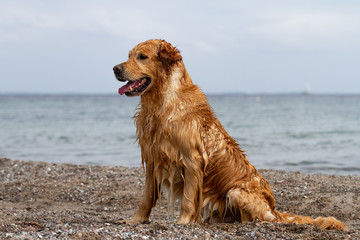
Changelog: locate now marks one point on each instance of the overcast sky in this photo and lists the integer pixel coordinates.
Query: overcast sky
(227, 46)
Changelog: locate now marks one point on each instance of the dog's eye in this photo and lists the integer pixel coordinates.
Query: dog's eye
(142, 57)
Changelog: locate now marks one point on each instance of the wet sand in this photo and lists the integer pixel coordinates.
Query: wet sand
(44, 200)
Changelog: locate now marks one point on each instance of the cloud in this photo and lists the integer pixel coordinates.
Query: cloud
(307, 29)
(238, 25)
(39, 22)
(256, 41)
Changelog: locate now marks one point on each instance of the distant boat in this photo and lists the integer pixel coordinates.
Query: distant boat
(307, 89)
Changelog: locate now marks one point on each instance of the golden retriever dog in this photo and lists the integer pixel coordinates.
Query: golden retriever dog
(186, 150)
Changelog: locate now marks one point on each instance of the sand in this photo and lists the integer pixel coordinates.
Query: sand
(49, 201)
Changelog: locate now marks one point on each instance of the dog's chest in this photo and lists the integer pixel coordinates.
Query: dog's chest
(154, 134)
(166, 136)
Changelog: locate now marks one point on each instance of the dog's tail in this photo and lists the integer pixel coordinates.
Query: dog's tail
(321, 222)
(250, 207)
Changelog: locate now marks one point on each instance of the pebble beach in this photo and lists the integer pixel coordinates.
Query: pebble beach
(41, 200)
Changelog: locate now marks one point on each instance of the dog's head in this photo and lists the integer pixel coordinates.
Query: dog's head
(147, 64)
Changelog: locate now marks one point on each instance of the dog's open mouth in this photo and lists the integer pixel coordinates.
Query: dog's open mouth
(134, 88)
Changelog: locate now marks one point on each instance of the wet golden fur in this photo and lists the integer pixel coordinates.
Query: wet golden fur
(186, 150)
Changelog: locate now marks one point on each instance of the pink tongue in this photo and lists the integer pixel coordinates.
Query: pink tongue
(125, 88)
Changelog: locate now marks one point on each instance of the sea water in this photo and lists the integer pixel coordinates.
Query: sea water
(306, 133)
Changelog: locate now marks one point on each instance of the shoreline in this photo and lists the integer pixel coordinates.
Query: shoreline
(47, 200)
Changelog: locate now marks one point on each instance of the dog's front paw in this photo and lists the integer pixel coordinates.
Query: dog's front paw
(183, 220)
(122, 222)
(135, 220)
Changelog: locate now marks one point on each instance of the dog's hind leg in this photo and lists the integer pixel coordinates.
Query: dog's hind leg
(250, 205)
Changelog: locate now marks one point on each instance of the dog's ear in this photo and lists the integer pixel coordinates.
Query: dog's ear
(168, 54)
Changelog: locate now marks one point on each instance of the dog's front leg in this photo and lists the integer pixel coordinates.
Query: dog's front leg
(148, 200)
(191, 199)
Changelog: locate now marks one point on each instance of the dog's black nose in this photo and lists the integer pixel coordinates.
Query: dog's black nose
(118, 68)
